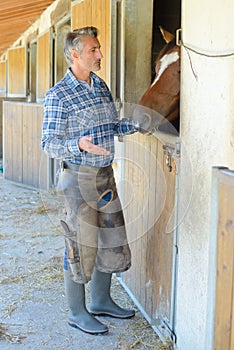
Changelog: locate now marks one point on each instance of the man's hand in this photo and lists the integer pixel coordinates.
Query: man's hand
(85, 144)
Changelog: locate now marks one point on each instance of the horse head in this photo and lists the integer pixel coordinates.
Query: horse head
(158, 109)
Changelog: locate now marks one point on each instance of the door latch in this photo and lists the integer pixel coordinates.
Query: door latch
(171, 151)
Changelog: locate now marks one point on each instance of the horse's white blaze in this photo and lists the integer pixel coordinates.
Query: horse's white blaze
(165, 62)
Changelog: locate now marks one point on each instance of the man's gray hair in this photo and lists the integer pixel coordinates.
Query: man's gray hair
(74, 40)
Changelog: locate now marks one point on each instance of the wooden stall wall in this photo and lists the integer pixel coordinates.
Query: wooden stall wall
(1, 123)
(32, 65)
(3, 91)
(24, 161)
(44, 64)
(149, 200)
(96, 13)
(224, 320)
(61, 64)
(17, 72)
(220, 315)
(3, 83)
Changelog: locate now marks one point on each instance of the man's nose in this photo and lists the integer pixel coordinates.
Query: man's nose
(100, 55)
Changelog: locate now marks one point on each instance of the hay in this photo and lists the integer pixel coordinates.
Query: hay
(29, 273)
(139, 336)
(9, 337)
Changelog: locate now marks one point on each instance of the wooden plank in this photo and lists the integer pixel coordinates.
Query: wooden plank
(17, 72)
(81, 14)
(41, 173)
(143, 181)
(24, 161)
(130, 210)
(101, 19)
(28, 154)
(17, 154)
(7, 143)
(150, 278)
(152, 216)
(165, 240)
(3, 86)
(96, 13)
(61, 64)
(158, 231)
(13, 142)
(1, 127)
(35, 168)
(16, 18)
(223, 335)
(41, 177)
(232, 315)
(33, 71)
(44, 70)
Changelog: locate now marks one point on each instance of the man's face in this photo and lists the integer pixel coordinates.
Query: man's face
(90, 57)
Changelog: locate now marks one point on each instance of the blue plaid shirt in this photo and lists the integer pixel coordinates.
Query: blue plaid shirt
(73, 109)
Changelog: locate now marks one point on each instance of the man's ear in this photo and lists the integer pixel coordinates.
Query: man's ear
(167, 36)
(74, 54)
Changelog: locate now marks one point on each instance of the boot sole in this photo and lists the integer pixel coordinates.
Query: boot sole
(75, 325)
(102, 313)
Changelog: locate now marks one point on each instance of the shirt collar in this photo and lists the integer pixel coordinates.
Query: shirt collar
(73, 82)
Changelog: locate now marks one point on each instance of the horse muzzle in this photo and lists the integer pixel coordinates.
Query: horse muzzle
(146, 121)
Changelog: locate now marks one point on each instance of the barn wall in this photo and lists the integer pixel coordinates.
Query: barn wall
(27, 116)
(207, 132)
(24, 161)
(96, 13)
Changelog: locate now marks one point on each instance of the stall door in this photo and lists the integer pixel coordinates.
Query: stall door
(150, 212)
(220, 315)
(150, 173)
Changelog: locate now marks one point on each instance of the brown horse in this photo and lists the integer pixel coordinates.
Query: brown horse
(158, 109)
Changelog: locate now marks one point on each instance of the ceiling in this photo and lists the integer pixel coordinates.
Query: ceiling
(16, 16)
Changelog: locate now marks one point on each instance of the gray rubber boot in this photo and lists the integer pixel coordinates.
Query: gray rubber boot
(101, 302)
(78, 316)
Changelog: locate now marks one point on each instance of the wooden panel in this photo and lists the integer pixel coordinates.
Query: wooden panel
(101, 19)
(1, 123)
(32, 71)
(61, 64)
(17, 72)
(12, 141)
(3, 78)
(96, 13)
(224, 317)
(81, 14)
(150, 206)
(23, 158)
(44, 68)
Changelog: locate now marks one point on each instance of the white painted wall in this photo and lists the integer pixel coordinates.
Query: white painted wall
(207, 134)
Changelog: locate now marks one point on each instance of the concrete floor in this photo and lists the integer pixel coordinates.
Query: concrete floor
(33, 308)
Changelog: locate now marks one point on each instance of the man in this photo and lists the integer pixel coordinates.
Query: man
(80, 121)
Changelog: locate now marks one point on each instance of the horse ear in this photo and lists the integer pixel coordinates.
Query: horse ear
(167, 36)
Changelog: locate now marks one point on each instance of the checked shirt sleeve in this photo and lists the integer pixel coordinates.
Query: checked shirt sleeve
(55, 140)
